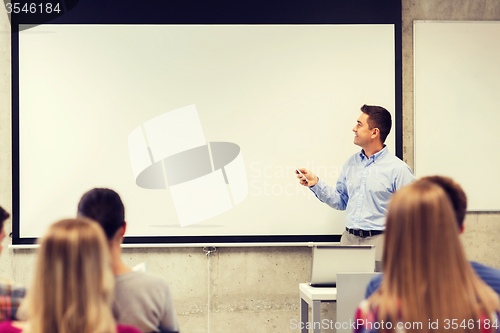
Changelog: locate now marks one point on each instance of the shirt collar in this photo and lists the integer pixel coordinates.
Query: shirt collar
(375, 157)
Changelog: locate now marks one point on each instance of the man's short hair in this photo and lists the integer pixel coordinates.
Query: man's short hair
(380, 118)
(105, 207)
(3, 217)
(456, 194)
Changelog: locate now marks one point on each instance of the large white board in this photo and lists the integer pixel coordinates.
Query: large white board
(457, 101)
(93, 98)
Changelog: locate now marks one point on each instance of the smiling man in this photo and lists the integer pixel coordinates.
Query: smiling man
(366, 183)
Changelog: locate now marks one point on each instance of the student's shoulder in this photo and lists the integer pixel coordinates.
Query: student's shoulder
(490, 275)
(373, 285)
(141, 280)
(10, 288)
(7, 327)
(483, 270)
(127, 329)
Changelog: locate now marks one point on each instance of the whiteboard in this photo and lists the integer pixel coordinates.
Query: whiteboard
(456, 110)
(286, 95)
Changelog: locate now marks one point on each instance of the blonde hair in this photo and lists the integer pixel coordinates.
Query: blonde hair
(73, 283)
(426, 274)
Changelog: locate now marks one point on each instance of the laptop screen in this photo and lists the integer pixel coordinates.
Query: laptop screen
(327, 261)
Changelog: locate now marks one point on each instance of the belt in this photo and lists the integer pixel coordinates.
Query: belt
(364, 233)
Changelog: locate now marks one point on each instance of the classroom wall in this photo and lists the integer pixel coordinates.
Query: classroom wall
(481, 229)
(252, 289)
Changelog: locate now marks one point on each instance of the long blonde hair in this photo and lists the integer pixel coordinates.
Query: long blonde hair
(73, 283)
(426, 274)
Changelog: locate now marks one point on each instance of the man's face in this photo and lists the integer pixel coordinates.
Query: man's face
(2, 236)
(362, 132)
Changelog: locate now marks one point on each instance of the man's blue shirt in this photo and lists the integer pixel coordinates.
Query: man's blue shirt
(490, 275)
(364, 188)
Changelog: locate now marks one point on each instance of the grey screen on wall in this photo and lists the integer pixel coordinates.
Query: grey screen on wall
(456, 96)
(199, 127)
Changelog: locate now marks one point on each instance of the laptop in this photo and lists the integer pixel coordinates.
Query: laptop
(327, 261)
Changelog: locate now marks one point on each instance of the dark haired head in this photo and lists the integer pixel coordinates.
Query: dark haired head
(380, 118)
(105, 207)
(455, 193)
(3, 217)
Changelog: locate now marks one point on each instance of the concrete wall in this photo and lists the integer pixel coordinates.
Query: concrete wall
(481, 229)
(252, 289)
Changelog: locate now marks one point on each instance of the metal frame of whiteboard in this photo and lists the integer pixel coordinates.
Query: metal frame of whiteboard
(415, 159)
(390, 15)
(144, 220)
(131, 246)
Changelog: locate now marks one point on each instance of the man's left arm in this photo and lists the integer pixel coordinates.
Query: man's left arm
(404, 177)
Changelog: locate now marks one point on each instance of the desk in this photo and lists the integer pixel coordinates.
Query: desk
(314, 296)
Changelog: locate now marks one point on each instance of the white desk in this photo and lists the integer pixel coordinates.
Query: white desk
(314, 296)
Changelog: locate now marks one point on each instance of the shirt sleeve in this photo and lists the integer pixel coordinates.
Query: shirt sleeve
(169, 318)
(373, 285)
(335, 197)
(403, 178)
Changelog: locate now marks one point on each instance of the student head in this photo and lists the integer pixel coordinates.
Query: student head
(105, 207)
(73, 282)
(456, 195)
(374, 124)
(3, 217)
(426, 274)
